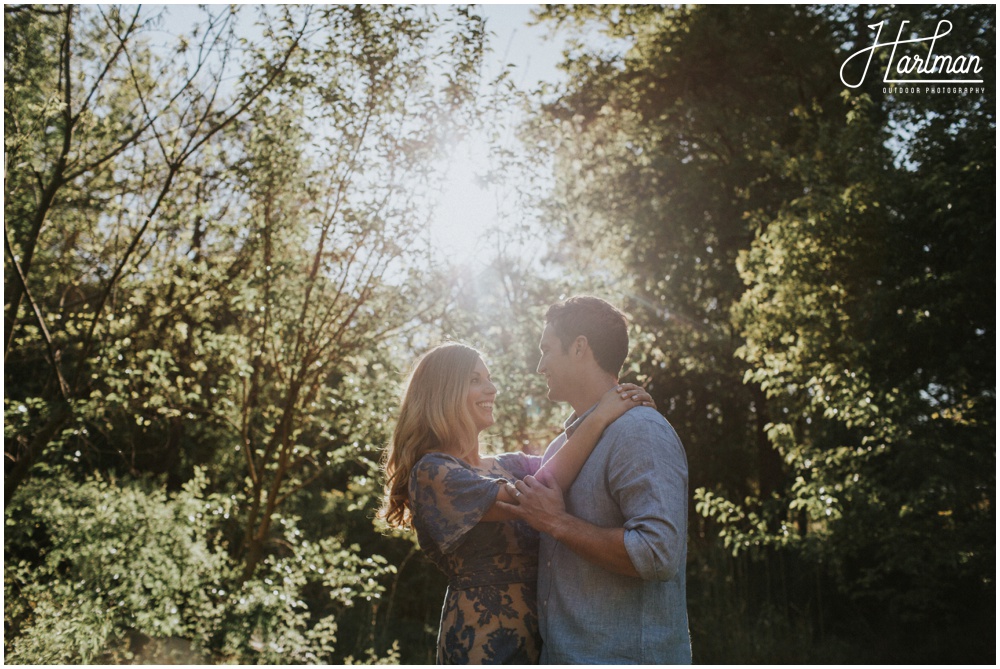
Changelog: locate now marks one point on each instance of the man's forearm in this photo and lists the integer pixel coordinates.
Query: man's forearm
(603, 546)
(543, 508)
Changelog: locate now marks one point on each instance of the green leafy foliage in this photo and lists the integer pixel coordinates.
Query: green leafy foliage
(212, 245)
(101, 571)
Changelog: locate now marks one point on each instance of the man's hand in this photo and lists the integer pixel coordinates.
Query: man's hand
(539, 503)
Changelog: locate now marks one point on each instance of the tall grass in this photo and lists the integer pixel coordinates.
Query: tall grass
(763, 610)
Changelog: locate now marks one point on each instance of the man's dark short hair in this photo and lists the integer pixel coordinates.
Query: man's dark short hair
(604, 326)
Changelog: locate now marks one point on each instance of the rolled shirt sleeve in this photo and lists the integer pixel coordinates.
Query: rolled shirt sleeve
(647, 475)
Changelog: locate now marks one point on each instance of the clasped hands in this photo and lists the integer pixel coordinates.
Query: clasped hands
(537, 501)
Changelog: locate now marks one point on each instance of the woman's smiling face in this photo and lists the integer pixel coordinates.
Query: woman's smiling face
(482, 392)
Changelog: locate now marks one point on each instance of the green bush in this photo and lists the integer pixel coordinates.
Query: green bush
(122, 571)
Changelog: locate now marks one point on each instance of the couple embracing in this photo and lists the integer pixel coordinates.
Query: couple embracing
(573, 557)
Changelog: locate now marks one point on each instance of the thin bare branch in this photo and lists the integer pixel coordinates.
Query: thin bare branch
(53, 355)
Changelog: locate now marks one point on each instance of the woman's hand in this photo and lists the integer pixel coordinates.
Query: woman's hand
(537, 501)
(620, 399)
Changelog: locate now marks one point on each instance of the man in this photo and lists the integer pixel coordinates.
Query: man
(611, 585)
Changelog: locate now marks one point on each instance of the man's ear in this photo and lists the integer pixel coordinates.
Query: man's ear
(579, 347)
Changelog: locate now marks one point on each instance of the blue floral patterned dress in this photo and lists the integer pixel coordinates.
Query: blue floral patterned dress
(490, 613)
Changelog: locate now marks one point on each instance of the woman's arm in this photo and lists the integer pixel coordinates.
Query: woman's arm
(565, 465)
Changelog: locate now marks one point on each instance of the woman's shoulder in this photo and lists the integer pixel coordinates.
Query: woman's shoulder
(437, 459)
(437, 471)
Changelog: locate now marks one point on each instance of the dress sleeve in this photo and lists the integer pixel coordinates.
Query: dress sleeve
(449, 498)
(520, 464)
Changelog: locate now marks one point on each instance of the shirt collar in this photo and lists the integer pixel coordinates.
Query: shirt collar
(574, 421)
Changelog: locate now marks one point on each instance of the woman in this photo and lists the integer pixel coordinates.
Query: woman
(438, 481)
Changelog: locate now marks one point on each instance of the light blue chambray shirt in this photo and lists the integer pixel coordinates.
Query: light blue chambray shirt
(636, 478)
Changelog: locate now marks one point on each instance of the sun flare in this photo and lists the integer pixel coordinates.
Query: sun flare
(467, 208)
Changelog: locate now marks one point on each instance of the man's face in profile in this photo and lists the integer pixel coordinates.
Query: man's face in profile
(556, 365)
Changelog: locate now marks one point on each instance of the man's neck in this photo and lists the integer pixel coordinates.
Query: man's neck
(590, 393)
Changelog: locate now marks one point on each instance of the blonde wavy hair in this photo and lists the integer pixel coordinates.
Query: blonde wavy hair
(434, 416)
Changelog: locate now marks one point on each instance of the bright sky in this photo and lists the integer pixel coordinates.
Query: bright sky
(471, 216)
(526, 47)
